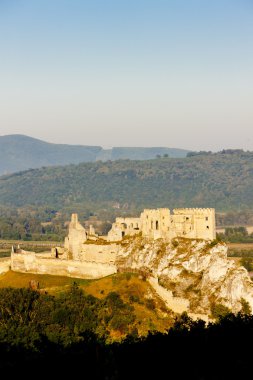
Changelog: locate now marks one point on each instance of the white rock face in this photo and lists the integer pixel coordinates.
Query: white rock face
(193, 269)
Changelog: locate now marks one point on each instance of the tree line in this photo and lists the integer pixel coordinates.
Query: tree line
(42, 335)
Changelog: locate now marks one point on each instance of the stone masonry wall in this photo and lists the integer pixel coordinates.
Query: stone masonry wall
(192, 223)
(76, 237)
(99, 253)
(32, 263)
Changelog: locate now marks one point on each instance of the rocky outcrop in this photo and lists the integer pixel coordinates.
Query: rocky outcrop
(196, 270)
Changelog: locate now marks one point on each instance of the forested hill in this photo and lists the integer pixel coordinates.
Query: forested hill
(19, 152)
(221, 180)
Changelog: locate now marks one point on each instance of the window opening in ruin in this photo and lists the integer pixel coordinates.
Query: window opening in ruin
(156, 225)
(187, 218)
(207, 227)
(122, 233)
(206, 217)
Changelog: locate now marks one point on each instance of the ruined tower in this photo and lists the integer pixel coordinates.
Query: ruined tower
(76, 236)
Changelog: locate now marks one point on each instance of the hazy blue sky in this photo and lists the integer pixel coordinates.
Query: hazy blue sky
(176, 73)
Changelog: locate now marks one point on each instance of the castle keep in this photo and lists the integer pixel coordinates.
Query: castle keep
(192, 223)
(87, 255)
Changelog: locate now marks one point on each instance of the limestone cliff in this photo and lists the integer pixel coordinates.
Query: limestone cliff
(196, 270)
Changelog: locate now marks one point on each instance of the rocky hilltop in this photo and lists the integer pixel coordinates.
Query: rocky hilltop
(194, 270)
(190, 274)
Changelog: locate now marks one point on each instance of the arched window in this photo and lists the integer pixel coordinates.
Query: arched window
(156, 225)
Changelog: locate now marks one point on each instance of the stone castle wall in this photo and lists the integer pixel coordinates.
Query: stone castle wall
(123, 227)
(177, 304)
(97, 253)
(29, 262)
(192, 223)
(156, 224)
(76, 237)
(195, 223)
(5, 264)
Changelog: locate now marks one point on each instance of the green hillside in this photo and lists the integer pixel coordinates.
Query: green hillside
(135, 153)
(146, 314)
(222, 180)
(36, 203)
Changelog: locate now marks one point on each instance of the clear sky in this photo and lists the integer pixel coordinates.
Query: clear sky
(176, 73)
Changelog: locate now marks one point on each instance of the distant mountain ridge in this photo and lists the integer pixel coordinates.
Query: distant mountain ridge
(20, 152)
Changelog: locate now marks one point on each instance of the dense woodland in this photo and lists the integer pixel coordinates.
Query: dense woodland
(35, 204)
(68, 335)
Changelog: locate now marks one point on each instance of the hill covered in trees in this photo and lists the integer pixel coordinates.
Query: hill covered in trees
(19, 152)
(68, 334)
(106, 189)
(222, 180)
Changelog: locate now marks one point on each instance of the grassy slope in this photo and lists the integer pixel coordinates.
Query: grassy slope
(130, 285)
(125, 284)
(48, 282)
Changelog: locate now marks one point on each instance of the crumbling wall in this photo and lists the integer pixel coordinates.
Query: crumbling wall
(5, 264)
(99, 253)
(124, 227)
(192, 223)
(156, 224)
(76, 237)
(29, 262)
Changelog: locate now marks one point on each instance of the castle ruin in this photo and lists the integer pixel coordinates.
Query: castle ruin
(87, 255)
(192, 223)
